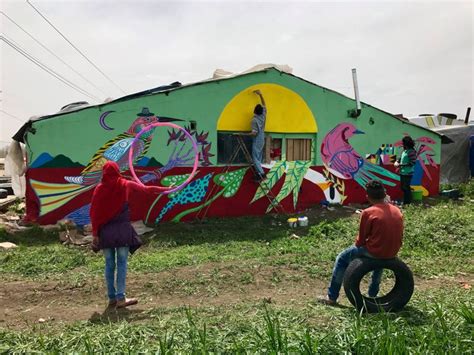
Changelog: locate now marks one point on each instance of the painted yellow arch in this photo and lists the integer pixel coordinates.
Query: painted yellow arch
(287, 112)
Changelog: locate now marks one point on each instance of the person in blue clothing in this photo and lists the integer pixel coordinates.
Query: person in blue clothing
(258, 135)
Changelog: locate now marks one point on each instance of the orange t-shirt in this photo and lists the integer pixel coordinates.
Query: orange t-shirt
(381, 230)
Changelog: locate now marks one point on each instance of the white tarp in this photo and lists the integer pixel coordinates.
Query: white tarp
(222, 74)
(15, 167)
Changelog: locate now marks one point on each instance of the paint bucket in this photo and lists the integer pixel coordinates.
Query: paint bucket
(303, 221)
(292, 222)
(417, 195)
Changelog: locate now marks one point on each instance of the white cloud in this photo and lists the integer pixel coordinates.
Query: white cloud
(411, 57)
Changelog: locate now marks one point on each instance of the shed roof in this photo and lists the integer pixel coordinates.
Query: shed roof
(219, 75)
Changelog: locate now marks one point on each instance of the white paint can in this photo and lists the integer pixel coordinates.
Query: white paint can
(303, 221)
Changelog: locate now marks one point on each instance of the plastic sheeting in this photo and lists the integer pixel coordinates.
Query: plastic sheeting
(222, 74)
(455, 156)
(15, 167)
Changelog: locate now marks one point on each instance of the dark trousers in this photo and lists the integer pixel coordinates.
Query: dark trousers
(405, 184)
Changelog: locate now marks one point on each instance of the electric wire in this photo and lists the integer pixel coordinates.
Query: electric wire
(77, 49)
(51, 52)
(12, 116)
(46, 68)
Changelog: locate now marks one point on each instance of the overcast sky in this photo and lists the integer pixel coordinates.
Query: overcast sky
(411, 56)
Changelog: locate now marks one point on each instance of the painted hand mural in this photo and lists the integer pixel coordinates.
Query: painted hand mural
(340, 158)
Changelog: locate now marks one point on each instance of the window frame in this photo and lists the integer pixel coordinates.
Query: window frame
(283, 137)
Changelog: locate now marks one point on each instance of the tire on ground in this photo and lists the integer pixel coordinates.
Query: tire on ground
(395, 300)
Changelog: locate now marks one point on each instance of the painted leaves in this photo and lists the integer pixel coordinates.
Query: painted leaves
(295, 172)
(174, 180)
(230, 181)
(272, 177)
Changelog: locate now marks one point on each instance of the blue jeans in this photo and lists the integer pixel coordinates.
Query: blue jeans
(257, 154)
(122, 255)
(342, 262)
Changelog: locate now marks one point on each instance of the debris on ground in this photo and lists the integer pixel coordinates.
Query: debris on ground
(70, 234)
(294, 236)
(5, 203)
(11, 223)
(7, 245)
(141, 228)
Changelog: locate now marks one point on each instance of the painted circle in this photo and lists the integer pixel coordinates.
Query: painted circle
(165, 190)
(281, 103)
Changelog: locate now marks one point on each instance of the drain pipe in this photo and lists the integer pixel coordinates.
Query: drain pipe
(355, 113)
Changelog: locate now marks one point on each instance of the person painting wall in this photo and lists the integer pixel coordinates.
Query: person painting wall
(258, 135)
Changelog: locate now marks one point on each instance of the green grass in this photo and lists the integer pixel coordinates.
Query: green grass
(444, 326)
(438, 243)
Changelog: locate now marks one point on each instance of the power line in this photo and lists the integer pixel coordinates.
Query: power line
(77, 49)
(12, 116)
(46, 68)
(51, 52)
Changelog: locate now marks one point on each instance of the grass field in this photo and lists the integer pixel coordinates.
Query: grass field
(241, 285)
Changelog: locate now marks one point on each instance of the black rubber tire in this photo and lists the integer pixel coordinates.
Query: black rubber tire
(393, 301)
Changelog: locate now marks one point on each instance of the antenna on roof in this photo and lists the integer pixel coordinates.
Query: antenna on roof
(355, 113)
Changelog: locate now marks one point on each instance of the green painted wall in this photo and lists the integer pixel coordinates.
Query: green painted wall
(78, 135)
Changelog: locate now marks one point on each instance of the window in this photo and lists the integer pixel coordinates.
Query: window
(298, 149)
(273, 149)
(227, 145)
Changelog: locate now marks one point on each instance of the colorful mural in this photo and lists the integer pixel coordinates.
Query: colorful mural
(424, 158)
(282, 103)
(332, 166)
(341, 159)
(53, 195)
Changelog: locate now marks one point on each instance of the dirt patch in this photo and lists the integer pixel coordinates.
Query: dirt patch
(25, 303)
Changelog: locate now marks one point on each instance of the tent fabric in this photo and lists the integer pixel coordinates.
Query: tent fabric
(15, 167)
(455, 156)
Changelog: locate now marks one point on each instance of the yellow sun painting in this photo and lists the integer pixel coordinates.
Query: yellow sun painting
(287, 112)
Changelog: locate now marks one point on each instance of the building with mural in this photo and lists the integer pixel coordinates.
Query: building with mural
(315, 150)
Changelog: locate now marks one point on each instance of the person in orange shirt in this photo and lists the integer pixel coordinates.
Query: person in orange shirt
(380, 236)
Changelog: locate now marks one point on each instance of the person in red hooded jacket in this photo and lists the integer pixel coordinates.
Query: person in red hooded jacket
(112, 230)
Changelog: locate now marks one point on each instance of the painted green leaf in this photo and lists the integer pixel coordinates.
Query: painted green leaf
(230, 181)
(293, 179)
(272, 177)
(174, 180)
(299, 171)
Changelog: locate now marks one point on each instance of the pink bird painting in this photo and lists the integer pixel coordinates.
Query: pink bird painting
(340, 158)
